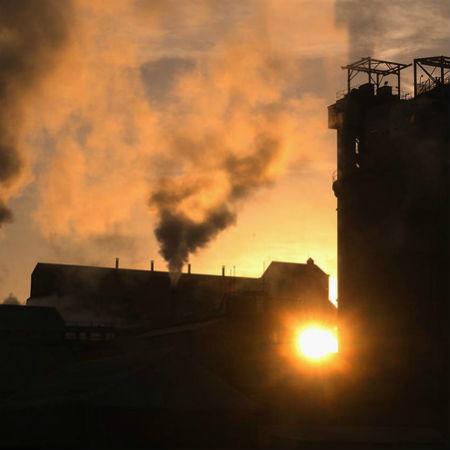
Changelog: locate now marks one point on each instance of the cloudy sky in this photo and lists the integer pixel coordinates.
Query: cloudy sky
(175, 131)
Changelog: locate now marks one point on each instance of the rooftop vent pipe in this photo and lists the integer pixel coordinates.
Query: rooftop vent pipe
(117, 263)
(152, 265)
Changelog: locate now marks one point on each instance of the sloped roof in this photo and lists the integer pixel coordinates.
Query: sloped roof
(73, 275)
(128, 293)
(290, 268)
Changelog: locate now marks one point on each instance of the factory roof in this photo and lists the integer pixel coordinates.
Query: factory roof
(290, 268)
(99, 294)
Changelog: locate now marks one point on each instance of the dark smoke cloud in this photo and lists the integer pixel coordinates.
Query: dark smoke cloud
(395, 28)
(160, 75)
(178, 234)
(31, 33)
(248, 173)
(5, 213)
(363, 20)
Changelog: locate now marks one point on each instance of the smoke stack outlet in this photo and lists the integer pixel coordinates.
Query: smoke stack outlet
(189, 268)
(117, 263)
(152, 265)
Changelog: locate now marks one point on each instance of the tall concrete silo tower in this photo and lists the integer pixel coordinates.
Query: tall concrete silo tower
(393, 192)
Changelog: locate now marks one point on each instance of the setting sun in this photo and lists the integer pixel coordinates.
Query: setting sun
(315, 342)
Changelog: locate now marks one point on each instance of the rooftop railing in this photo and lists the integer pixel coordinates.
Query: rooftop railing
(430, 84)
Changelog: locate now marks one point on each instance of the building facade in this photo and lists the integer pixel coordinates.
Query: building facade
(127, 297)
(392, 189)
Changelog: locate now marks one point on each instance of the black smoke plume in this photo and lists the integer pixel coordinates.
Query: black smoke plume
(31, 34)
(179, 235)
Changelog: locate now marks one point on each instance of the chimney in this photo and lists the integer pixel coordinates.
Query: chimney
(152, 265)
(223, 271)
(117, 263)
(189, 268)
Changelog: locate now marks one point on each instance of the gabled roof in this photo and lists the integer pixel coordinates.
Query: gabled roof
(290, 268)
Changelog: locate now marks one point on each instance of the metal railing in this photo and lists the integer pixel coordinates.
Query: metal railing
(430, 84)
(405, 95)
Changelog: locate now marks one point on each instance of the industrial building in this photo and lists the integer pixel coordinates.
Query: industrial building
(392, 188)
(189, 367)
(150, 298)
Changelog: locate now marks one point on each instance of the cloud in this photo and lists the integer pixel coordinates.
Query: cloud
(129, 117)
(160, 75)
(402, 29)
(31, 37)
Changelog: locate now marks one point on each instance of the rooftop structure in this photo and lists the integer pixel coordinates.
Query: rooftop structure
(392, 188)
(377, 71)
(430, 73)
(126, 296)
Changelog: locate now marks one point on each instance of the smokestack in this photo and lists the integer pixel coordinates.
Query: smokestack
(152, 265)
(117, 263)
(189, 268)
(223, 271)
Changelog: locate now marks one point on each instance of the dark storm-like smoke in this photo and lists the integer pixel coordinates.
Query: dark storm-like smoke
(363, 21)
(31, 33)
(402, 28)
(179, 235)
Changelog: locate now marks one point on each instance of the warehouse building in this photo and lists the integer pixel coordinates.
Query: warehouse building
(126, 296)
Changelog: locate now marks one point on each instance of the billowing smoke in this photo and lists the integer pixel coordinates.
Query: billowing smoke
(229, 127)
(191, 107)
(31, 33)
(402, 29)
(178, 234)
(364, 23)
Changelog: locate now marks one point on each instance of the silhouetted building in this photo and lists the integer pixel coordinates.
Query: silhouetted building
(392, 188)
(19, 323)
(302, 282)
(125, 296)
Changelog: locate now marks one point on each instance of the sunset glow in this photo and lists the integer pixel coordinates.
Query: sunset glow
(316, 342)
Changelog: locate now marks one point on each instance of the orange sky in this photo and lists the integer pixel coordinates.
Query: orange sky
(98, 132)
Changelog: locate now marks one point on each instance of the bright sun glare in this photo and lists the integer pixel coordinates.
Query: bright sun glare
(316, 343)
